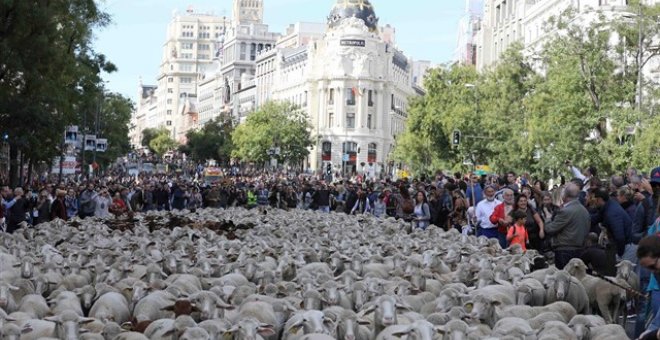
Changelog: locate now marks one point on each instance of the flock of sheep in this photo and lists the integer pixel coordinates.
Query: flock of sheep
(290, 275)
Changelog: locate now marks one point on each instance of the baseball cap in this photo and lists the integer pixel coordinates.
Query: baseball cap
(655, 175)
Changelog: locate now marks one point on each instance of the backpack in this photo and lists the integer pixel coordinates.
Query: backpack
(407, 206)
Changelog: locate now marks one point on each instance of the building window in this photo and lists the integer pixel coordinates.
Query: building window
(169, 112)
(186, 80)
(369, 121)
(187, 46)
(243, 51)
(170, 80)
(371, 98)
(305, 99)
(331, 119)
(170, 91)
(169, 123)
(169, 101)
(326, 151)
(350, 120)
(372, 153)
(331, 97)
(350, 97)
(253, 52)
(393, 104)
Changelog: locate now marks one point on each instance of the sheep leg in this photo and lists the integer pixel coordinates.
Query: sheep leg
(604, 308)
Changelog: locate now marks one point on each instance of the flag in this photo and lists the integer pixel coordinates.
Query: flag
(357, 91)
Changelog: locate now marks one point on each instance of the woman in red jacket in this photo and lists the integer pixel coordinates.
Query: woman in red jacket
(501, 217)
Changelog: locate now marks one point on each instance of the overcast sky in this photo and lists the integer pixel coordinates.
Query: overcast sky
(426, 30)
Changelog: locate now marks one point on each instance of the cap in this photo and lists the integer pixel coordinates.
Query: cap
(655, 175)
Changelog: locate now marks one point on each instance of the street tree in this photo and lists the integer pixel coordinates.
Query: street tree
(279, 125)
(47, 69)
(163, 143)
(113, 123)
(213, 141)
(150, 134)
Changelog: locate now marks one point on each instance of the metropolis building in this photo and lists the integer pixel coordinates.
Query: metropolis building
(353, 83)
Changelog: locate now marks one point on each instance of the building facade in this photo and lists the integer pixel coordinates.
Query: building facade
(191, 44)
(509, 21)
(466, 49)
(354, 84)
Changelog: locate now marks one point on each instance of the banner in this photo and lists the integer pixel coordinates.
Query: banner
(68, 166)
(71, 135)
(90, 142)
(101, 145)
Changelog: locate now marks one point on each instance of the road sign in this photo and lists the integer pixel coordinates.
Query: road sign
(346, 157)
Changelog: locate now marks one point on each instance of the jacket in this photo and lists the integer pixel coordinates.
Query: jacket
(498, 214)
(617, 222)
(570, 227)
(87, 202)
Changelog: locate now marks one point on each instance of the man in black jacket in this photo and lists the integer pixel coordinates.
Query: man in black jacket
(18, 211)
(321, 198)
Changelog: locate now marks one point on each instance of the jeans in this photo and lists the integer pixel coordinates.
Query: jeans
(563, 256)
(490, 233)
(324, 208)
(648, 309)
(630, 253)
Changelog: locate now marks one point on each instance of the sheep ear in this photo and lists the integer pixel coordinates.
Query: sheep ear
(368, 310)
(26, 329)
(363, 322)
(266, 330)
(55, 319)
(83, 321)
(169, 333)
(403, 307)
(401, 333)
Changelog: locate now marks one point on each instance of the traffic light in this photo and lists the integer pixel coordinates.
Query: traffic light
(457, 137)
(328, 169)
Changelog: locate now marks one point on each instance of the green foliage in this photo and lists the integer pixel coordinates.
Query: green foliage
(163, 143)
(213, 141)
(114, 118)
(149, 134)
(48, 71)
(578, 102)
(275, 124)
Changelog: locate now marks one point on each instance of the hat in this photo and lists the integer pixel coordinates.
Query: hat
(655, 175)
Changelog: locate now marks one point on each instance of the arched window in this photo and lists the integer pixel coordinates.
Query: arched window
(326, 151)
(372, 153)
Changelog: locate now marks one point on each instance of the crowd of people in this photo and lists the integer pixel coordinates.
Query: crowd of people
(600, 221)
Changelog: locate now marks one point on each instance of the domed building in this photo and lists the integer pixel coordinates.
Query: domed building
(352, 81)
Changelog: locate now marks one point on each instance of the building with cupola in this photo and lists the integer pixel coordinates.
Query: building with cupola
(353, 82)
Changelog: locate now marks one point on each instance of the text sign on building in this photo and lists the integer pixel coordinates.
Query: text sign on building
(352, 42)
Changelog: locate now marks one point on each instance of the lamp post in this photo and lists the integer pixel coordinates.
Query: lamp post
(476, 99)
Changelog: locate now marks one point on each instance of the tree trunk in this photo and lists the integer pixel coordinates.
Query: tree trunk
(13, 166)
(30, 170)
